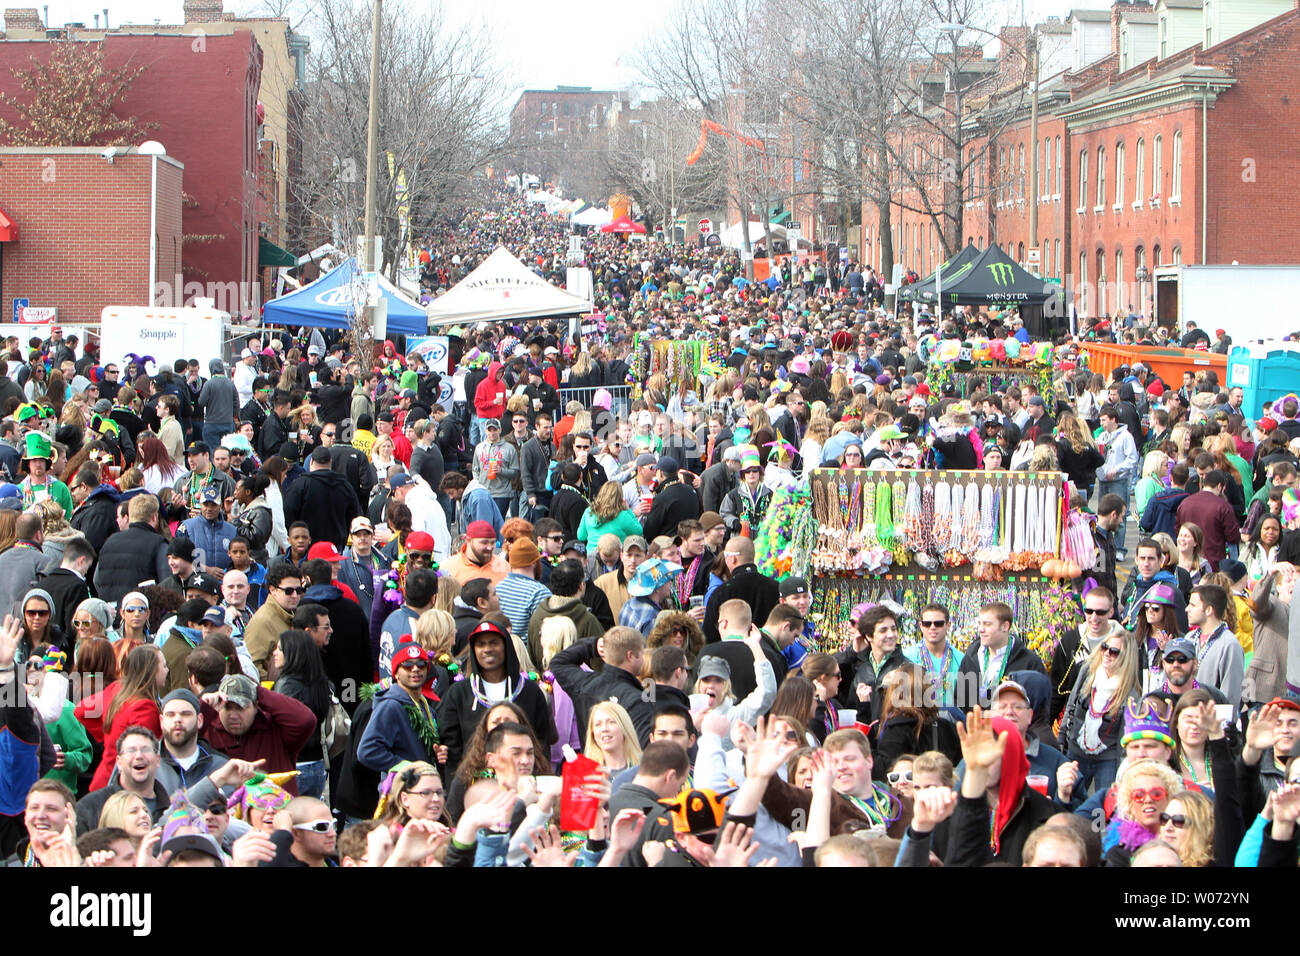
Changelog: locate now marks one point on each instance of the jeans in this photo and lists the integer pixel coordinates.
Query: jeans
(213, 432)
(1100, 771)
(1121, 487)
(311, 779)
(476, 431)
(503, 505)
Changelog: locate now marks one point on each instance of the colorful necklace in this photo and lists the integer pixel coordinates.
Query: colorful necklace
(878, 816)
(1209, 774)
(937, 671)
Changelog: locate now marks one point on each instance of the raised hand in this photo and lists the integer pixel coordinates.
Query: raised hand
(548, 851)
(715, 723)
(1209, 720)
(742, 735)
(822, 778)
(766, 755)
(11, 632)
(626, 830)
(1261, 733)
(252, 848)
(735, 846)
(980, 747)
(1067, 775)
(653, 853)
(931, 806)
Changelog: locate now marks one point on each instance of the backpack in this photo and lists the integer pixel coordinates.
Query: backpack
(335, 730)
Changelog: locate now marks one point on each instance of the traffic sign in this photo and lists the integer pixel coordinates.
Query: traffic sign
(706, 226)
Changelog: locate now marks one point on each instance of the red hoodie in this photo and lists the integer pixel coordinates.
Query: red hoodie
(490, 396)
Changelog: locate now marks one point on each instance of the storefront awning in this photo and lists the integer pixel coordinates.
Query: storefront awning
(8, 228)
(780, 218)
(269, 254)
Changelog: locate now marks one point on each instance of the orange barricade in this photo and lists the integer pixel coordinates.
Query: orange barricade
(1169, 364)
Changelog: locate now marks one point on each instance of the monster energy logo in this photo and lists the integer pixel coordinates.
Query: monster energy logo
(959, 273)
(1002, 273)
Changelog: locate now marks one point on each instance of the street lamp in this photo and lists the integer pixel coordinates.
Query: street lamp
(153, 149)
(952, 84)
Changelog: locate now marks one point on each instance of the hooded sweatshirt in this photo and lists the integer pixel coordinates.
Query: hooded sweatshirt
(490, 396)
(470, 697)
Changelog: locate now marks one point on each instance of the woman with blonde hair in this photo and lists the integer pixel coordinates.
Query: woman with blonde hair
(1181, 436)
(557, 633)
(1094, 712)
(448, 591)
(435, 631)
(607, 514)
(1191, 555)
(1142, 794)
(382, 455)
(127, 811)
(412, 790)
(1154, 467)
(1078, 453)
(611, 739)
(814, 439)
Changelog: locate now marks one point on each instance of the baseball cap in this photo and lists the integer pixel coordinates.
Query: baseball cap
(320, 455)
(185, 842)
(103, 406)
(360, 523)
(406, 393)
(573, 544)
(1180, 645)
(493, 424)
(645, 418)
(645, 459)
(397, 481)
(793, 585)
(421, 541)
(1012, 685)
(711, 666)
(215, 616)
(635, 541)
(323, 551)
(247, 353)
(480, 529)
(197, 448)
(239, 689)
(210, 494)
(668, 465)
(202, 581)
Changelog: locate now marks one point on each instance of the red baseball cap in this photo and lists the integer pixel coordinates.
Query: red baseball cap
(420, 541)
(323, 551)
(480, 529)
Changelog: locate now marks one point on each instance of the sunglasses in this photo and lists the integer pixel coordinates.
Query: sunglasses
(298, 590)
(1096, 610)
(582, 448)
(36, 665)
(1154, 607)
(933, 623)
(1154, 795)
(1110, 650)
(1177, 819)
(896, 777)
(218, 807)
(320, 826)
(135, 609)
(83, 624)
(413, 665)
(1177, 659)
(36, 613)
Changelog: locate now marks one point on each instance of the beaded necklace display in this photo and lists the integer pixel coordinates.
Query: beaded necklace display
(868, 537)
(912, 517)
(942, 523)
(884, 515)
(970, 519)
(927, 517)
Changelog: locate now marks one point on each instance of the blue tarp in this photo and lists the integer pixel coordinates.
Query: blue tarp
(327, 304)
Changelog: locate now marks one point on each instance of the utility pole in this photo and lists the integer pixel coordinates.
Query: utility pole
(1033, 136)
(368, 264)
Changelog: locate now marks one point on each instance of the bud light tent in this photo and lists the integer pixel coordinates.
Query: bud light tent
(327, 304)
(502, 289)
(923, 291)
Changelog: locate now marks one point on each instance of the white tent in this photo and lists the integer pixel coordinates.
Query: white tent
(593, 217)
(502, 288)
(732, 237)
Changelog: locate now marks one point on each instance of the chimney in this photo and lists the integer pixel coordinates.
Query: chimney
(1115, 12)
(202, 11)
(24, 18)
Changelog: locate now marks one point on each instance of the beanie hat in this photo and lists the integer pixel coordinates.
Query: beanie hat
(524, 554)
(181, 693)
(408, 652)
(1155, 389)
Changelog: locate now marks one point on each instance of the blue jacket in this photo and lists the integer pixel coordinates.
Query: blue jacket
(213, 537)
(360, 578)
(477, 505)
(389, 738)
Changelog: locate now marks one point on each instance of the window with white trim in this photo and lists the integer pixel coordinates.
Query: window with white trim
(1119, 174)
(1176, 168)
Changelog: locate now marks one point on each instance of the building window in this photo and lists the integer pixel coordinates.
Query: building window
(1060, 166)
(1046, 185)
(1083, 283)
(1176, 167)
(1059, 264)
(1102, 305)
(1157, 168)
(1139, 263)
(1038, 163)
(1002, 176)
(1119, 174)
(1101, 175)
(1020, 182)
(1083, 179)
(1120, 293)
(1020, 252)
(1164, 37)
(1178, 255)
(1209, 28)
(1139, 170)
(1155, 256)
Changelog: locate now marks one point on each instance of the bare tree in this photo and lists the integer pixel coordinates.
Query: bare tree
(440, 119)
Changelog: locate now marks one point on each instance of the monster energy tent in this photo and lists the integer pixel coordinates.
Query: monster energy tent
(923, 291)
(992, 278)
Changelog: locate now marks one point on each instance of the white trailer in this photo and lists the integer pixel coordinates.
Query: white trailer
(201, 332)
(1250, 303)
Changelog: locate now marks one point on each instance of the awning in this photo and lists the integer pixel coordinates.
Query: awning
(8, 228)
(269, 254)
(781, 218)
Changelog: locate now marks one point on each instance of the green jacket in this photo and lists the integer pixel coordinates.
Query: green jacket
(591, 528)
(68, 733)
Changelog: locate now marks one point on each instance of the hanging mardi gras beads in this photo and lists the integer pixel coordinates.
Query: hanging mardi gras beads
(868, 537)
(970, 519)
(942, 505)
(912, 517)
(899, 494)
(885, 516)
(953, 543)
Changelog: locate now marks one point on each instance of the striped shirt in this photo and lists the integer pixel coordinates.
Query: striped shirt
(520, 595)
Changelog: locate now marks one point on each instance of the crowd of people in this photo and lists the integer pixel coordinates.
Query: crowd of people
(299, 611)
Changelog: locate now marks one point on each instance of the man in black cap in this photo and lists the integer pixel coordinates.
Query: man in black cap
(323, 499)
(181, 555)
(1041, 423)
(203, 586)
(274, 432)
(188, 490)
(674, 502)
(542, 397)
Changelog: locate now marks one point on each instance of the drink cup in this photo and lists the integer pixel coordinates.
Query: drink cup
(1037, 781)
(848, 718)
(647, 501)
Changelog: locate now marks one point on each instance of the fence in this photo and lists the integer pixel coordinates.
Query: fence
(620, 395)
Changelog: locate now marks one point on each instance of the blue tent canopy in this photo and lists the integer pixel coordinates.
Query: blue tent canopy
(327, 304)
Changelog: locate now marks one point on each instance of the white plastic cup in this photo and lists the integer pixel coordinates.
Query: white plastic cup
(699, 702)
(848, 718)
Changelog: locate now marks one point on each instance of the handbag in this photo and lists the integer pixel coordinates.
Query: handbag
(335, 729)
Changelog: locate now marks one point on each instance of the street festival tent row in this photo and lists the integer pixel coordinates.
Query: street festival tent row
(592, 216)
(327, 304)
(502, 289)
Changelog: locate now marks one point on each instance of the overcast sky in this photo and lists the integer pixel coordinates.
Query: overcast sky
(570, 42)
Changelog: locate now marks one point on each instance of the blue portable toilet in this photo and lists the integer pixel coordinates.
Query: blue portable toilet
(1264, 371)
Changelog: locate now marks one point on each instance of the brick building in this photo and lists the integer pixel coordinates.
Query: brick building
(564, 113)
(82, 228)
(202, 92)
(1145, 163)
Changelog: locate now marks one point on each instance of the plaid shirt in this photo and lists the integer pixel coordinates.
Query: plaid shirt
(639, 613)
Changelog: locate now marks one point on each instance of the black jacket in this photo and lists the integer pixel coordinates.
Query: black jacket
(129, 557)
(899, 736)
(567, 507)
(326, 502)
(672, 505)
(357, 790)
(273, 433)
(970, 692)
(741, 661)
(714, 485)
(757, 590)
(589, 688)
(856, 667)
(347, 655)
(356, 468)
(427, 463)
(1081, 467)
(96, 517)
(968, 830)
